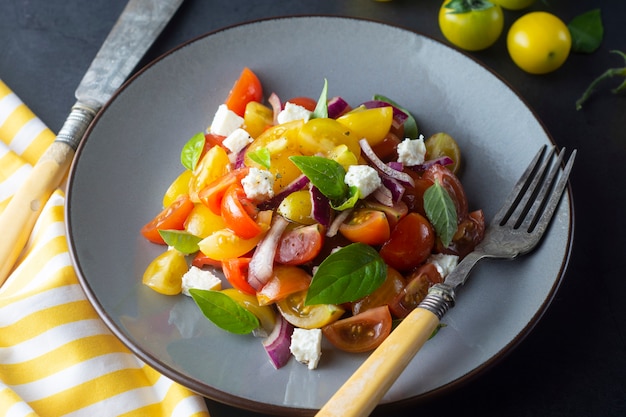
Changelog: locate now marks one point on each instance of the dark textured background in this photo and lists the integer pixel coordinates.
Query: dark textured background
(574, 362)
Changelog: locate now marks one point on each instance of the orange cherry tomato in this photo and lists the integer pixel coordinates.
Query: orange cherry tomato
(367, 226)
(236, 272)
(237, 211)
(200, 260)
(383, 295)
(300, 245)
(415, 290)
(286, 280)
(246, 89)
(410, 244)
(171, 218)
(306, 102)
(213, 193)
(362, 332)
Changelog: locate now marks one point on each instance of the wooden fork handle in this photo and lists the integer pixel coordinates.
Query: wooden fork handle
(360, 394)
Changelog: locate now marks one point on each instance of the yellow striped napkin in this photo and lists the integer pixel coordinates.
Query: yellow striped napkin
(57, 358)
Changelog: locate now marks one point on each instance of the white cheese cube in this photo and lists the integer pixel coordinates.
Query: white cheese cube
(444, 263)
(225, 121)
(293, 112)
(237, 140)
(412, 151)
(258, 184)
(364, 178)
(306, 346)
(200, 279)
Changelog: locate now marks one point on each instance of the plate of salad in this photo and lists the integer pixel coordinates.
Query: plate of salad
(252, 223)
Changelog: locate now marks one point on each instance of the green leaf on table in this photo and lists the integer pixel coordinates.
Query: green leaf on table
(224, 312)
(180, 240)
(346, 275)
(587, 31)
(441, 212)
(321, 109)
(327, 175)
(191, 152)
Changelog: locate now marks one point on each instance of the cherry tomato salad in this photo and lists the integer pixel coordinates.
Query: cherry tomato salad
(326, 220)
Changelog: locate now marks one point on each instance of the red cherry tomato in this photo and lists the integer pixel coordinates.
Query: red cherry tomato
(306, 102)
(383, 295)
(469, 233)
(213, 193)
(411, 242)
(246, 89)
(238, 211)
(300, 245)
(171, 218)
(360, 333)
(415, 290)
(236, 272)
(286, 280)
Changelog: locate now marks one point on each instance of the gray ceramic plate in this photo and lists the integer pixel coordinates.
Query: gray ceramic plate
(131, 154)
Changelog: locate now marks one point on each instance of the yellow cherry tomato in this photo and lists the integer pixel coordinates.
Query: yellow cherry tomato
(442, 144)
(371, 124)
(323, 135)
(257, 118)
(202, 222)
(297, 207)
(213, 165)
(539, 42)
(471, 25)
(265, 314)
(165, 273)
(514, 4)
(314, 316)
(178, 187)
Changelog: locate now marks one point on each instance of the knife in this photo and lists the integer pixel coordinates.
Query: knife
(135, 30)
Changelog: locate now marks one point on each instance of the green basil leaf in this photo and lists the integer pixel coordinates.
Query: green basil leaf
(411, 130)
(261, 156)
(352, 272)
(441, 212)
(353, 197)
(321, 109)
(224, 312)
(327, 175)
(190, 155)
(181, 241)
(587, 31)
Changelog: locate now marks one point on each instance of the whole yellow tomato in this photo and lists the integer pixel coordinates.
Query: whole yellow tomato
(539, 42)
(471, 24)
(513, 4)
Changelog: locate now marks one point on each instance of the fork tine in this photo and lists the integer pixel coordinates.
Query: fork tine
(542, 213)
(518, 191)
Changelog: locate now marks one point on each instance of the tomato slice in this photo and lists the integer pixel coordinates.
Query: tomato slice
(367, 226)
(165, 273)
(286, 281)
(246, 89)
(236, 272)
(213, 193)
(415, 290)
(469, 233)
(383, 295)
(362, 332)
(306, 102)
(200, 260)
(410, 244)
(300, 245)
(315, 316)
(171, 218)
(236, 212)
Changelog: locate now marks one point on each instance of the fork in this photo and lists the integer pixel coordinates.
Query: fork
(515, 230)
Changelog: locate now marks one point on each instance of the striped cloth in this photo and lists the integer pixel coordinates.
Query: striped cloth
(57, 358)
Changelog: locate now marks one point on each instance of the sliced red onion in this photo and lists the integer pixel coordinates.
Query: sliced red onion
(383, 195)
(444, 160)
(398, 166)
(337, 106)
(277, 343)
(321, 207)
(381, 166)
(239, 160)
(261, 266)
(295, 185)
(276, 104)
(340, 218)
(397, 189)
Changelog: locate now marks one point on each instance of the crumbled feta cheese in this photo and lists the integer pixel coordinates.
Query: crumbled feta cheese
(293, 112)
(200, 279)
(444, 263)
(225, 121)
(258, 184)
(412, 151)
(306, 346)
(364, 178)
(237, 140)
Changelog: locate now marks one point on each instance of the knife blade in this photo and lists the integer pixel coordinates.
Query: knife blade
(138, 26)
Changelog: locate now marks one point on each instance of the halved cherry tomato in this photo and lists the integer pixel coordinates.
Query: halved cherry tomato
(236, 272)
(372, 124)
(257, 118)
(213, 193)
(414, 195)
(211, 140)
(165, 273)
(171, 218)
(469, 233)
(213, 165)
(300, 245)
(307, 317)
(201, 221)
(415, 290)
(306, 102)
(246, 89)
(411, 242)
(383, 295)
(386, 149)
(177, 188)
(362, 332)
(237, 212)
(285, 281)
(200, 260)
(394, 213)
(367, 226)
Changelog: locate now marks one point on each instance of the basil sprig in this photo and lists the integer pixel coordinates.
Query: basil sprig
(224, 312)
(352, 272)
(191, 152)
(321, 109)
(180, 240)
(441, 212)
(261, 156)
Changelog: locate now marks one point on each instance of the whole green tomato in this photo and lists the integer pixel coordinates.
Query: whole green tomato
(472, 25)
